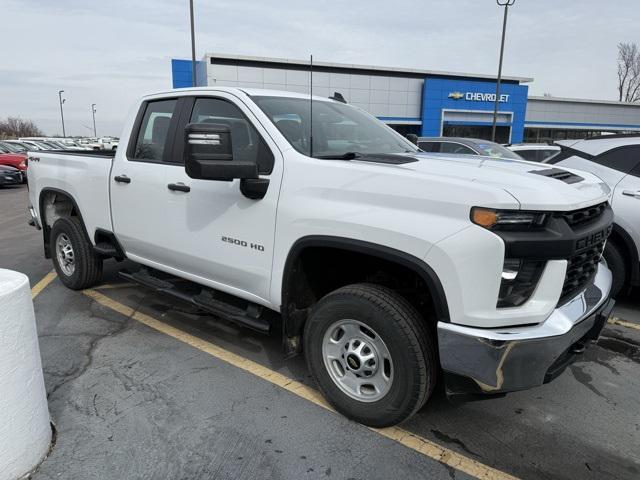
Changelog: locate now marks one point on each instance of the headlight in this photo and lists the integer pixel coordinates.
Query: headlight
(507, 219)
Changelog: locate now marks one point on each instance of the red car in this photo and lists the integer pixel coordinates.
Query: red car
(17, 160)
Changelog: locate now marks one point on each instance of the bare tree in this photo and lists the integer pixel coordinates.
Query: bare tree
(628, 72)
(14, 127)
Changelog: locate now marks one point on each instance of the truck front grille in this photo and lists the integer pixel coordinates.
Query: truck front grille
(584, 215)
(581, 269)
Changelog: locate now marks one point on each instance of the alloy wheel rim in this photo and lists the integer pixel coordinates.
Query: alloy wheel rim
(357, 360)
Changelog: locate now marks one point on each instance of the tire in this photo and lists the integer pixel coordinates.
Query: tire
(85, 267)
(379, 319)
(616, 263)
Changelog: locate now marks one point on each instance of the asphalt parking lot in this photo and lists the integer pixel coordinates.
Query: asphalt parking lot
(142, 387)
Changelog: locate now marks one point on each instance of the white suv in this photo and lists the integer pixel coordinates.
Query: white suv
(616, 160)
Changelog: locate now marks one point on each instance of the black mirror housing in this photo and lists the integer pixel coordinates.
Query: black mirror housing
(208, 154)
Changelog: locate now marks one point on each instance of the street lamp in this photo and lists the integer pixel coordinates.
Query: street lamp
(93, 111)
(193, 46)
(506, 4)
(62, 100)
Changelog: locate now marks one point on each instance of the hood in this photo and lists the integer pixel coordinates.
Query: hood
(535, 186)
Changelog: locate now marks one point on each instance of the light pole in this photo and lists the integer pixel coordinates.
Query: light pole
(62, 100)
(506, 4)
(193, 46)
(93, 111)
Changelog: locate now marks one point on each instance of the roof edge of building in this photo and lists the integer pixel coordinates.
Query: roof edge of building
(583, 100)
(381, 69)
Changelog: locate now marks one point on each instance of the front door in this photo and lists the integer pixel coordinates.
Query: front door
(214, 233)
(626, 204)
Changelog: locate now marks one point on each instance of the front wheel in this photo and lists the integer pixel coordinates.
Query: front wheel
(371, 354)
(77, 264)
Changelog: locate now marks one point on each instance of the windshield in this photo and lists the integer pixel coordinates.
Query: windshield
(338, 129)
(496, 150)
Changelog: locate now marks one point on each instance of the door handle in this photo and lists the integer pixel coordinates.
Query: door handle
(122, 179)
(631, 193)
(179, 187)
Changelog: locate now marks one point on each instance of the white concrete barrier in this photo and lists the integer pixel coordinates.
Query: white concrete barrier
(25, 431)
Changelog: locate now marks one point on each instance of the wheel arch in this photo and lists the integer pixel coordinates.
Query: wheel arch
(293, 319)
(623, 239)
(67, 204)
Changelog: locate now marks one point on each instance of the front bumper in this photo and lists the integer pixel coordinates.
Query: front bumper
(506, 359)
(10, 178)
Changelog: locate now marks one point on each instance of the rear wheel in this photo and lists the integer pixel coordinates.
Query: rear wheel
(616, 263)
(370, 354)
(77, 264)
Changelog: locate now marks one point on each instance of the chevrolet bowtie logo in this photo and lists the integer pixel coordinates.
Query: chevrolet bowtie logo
(456, 95)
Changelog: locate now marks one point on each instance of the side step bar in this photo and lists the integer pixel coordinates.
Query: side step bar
(253, 316)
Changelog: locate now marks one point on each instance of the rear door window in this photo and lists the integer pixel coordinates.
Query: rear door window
(153, 134)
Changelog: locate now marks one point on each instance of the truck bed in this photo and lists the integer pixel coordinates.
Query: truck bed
(83, 174)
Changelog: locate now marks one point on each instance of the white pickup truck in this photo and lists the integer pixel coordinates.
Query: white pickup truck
(385, 265)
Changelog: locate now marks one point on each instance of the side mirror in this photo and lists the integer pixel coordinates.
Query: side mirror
(413, 138)
(208, 154)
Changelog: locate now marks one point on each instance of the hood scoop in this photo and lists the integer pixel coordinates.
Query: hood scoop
(559, 174)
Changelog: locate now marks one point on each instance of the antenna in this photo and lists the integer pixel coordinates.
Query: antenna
(311, 106)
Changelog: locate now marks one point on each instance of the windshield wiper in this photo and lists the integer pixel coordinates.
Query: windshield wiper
(344, 156)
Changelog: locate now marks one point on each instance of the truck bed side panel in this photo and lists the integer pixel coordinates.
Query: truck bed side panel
(83, 177)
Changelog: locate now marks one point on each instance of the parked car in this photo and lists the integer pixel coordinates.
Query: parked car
(10, 176)
(7, 147)
(535, 152)
(105, 143)
(35, 145)
(22, 145)
(615, 159)
(384, 264)
(16, 160)
(465, 146)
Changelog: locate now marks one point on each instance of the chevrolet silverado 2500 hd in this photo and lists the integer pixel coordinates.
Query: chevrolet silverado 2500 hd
(387, 265)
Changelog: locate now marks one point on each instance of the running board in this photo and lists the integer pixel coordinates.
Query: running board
(252, 316)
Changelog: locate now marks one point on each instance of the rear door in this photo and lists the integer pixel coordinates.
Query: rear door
(138, 184)
(212, 232)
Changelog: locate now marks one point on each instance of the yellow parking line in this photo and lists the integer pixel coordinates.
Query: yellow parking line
(408, 439)
(42, 284)
(624, 323)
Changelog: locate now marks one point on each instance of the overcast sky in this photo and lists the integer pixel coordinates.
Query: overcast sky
(111, 52)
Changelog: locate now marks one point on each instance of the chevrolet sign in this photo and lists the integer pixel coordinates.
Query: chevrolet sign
(478, 97)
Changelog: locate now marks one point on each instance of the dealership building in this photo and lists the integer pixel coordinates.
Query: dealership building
(424, 102)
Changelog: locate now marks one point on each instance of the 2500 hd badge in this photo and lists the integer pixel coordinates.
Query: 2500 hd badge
(243, 243)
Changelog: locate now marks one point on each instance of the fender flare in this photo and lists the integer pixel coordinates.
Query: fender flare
(411, 262)
(631, 249)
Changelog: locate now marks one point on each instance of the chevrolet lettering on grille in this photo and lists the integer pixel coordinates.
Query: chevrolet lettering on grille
(593, 239)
